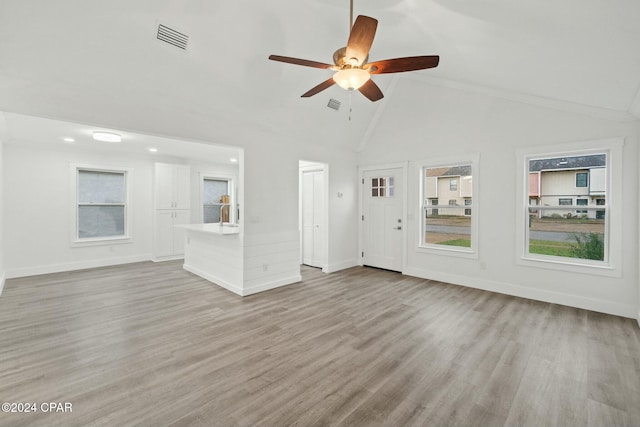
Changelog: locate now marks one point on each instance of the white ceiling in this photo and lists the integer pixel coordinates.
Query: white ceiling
(99, 62)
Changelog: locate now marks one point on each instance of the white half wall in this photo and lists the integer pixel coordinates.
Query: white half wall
(429, 121)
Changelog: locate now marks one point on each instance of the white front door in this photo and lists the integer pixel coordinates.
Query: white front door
(382, 218)
(313, 218)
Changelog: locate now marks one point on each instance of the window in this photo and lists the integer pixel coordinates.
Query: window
(101, 204)
(582, 179)
(447, 226)
(382, 187)
(215, 200)
(582, 202)
(556, 231)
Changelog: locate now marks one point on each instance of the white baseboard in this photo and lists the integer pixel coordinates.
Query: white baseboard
(70, 266)
(167, 258)
(2, 280)
(332, 268)
(593, 304)
(272, 285)
(242, 291)
(216, 280)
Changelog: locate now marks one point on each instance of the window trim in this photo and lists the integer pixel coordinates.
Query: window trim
(612, 266)
(75, 203)
(454, 251)
(586, 184)
(232, 199)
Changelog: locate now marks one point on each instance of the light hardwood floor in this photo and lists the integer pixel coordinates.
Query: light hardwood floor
(153, 345)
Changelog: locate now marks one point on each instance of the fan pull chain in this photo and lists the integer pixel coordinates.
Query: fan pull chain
(350, 109)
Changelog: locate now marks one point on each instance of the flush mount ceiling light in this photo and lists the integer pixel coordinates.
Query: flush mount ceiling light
(67, 139)
(233, 160)
(153, 150)
(106, 136)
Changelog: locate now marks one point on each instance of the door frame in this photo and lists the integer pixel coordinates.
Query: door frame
(361, 194)
(324, 168)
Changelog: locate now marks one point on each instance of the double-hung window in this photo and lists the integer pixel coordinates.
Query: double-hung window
(568, 196)
(448, 222)
(215, 200)
(101, 208)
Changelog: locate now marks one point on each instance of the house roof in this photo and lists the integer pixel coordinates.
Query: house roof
(463, 170)
(574, 162)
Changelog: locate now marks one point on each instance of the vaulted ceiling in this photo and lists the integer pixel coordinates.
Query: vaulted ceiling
(100, 62)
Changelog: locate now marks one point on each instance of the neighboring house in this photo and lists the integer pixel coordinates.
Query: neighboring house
(449, 186)
(568, 181)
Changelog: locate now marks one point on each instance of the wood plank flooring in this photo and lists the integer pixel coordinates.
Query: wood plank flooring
(153, 345)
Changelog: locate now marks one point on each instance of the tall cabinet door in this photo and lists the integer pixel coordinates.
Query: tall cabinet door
(172, 186)
(172, 191)
(164, 186)
(182, 187)
(164, 238)
(179, 218)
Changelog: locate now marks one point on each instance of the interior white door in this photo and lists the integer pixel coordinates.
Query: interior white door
(382, 218)
(313, 218)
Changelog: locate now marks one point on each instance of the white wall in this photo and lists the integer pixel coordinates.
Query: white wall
(271, 171)
(38, 201)
(427, 121)
(2, 180)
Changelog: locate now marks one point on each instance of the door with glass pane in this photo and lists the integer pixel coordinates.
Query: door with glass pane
(382, 218)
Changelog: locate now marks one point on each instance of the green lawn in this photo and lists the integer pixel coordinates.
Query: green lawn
(465, 243)
(550, 247)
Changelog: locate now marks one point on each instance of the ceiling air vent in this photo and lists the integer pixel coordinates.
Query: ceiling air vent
(173, 37)
(334, 103)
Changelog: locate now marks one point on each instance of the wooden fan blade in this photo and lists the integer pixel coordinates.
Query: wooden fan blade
(399, 65)
(371, 91)
(361, 39)
(298, 61)
(322, 86)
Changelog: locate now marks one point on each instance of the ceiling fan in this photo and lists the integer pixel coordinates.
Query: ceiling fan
(350, 62)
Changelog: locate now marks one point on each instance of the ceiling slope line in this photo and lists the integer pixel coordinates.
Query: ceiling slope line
(535, 100)
(373, 124)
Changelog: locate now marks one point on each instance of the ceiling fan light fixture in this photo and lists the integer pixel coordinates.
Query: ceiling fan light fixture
(351, 78)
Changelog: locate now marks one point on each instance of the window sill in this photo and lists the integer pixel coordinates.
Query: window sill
(558, 264)
(452, 251)
(79, 243)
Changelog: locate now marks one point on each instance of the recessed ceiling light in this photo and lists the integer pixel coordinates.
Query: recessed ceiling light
(153, 150)
(106, 136)
(233, 160)
(68, 139)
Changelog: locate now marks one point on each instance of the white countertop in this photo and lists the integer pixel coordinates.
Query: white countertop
(213, 228)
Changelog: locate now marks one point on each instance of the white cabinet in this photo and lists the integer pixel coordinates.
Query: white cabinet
(169, 240)
(172, 186)
(172, 202)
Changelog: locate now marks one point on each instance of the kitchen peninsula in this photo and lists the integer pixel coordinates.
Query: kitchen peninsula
(223, 255)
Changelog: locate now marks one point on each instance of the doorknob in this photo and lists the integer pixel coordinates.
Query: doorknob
(399, 227)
